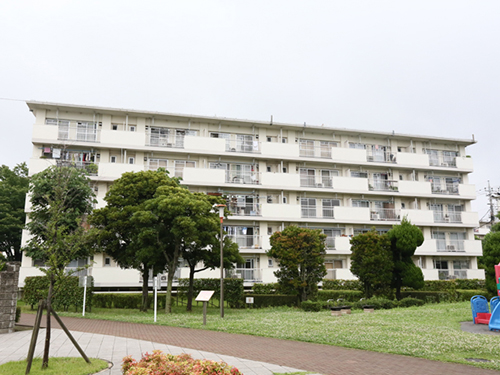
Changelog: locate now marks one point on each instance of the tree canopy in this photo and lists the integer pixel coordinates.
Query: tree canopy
(118, 235)
(491, 256)
(371, 262)
(13, 189)
(300, 253)
(405, 238)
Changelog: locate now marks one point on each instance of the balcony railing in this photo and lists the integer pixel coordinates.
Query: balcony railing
(241, 177)
(90, 167)
(380, 156)
(311, 181)
(323, 151)
(249, 274)
(242, 145)
(330, 242)
(384, 214)
(325, 212)
(248, 209)
(164, 140)
(246, 241)
(78, 131)
(449, 217)
(331, 274)
(449, 189)
(440, 159)
(452, 246)
(383, 185)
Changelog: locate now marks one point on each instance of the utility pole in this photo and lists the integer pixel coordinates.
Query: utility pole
(492, 194)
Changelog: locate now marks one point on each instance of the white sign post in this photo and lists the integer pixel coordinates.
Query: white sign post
(204, 296)
(84, 293)
(157, 286)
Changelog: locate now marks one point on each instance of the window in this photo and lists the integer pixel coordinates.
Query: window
(284, 200)
(86, 131)
(131, 160)
(180, 165)
(284, 140)
(328, 205)
(360, 146)
(112, 159)
(284, 170)
(308, 207)
(269, 230)
(114, 127)
(154, 164)
(360, 203)
(358, 174)
(269, 139)
(270, 263)
(269, 169)
(132, 128)
(107, 262)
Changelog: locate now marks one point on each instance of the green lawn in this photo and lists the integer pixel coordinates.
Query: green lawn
(57, 366)
(431, 331)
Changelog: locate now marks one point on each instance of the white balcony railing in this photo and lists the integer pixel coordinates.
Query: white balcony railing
(380, 156)
(383, 185)
(445, 188)
(164, 140)
(384, 214)
(248, 274)
(247, 209)
(242, 177)
(448, 217)
(246, 241)
(451, 246)
(311, 181)
(242, 145)
(79, 131)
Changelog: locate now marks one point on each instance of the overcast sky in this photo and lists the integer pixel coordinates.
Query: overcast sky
(418, 67)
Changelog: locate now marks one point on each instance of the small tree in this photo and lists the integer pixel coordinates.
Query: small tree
(491, 257)
(405, 238)
(61, 198)
(13, 189)
(371, 262)
(301, 256)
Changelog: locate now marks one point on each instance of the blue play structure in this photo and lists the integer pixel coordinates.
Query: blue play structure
(495, 305)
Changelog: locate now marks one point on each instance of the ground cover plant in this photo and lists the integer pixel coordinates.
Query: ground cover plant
(57, 366)
(431, 331)
(159, 363)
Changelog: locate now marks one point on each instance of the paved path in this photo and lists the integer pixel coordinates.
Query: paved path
(323, 359)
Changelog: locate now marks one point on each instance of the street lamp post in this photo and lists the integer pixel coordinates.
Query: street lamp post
(221, 215)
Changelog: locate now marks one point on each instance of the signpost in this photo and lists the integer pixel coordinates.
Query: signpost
(204, 296)
(84, 281)
(157, 287)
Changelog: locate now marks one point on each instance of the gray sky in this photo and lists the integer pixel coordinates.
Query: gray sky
(419, 67)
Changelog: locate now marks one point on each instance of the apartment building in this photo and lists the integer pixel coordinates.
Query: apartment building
(273, 175)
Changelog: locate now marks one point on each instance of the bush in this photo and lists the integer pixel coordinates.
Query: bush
(167, 364)
(346, 295)
(67, 292)
(466, 295)
(378, 303)
(342, 285)
(409, 301)
(233, 289)
(266, 300)
(312, 306)
(271, 288)
(431, 296)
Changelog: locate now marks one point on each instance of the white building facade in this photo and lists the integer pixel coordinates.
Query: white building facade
(341, 181)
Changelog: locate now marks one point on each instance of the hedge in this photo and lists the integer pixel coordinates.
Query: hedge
(270, 288)
(67, 292)
(233, 289)
(445, 285)
(266, 300)
(346, 295)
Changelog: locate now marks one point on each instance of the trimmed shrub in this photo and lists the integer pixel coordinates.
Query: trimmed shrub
(311, 306)
(466, 295)
(271, 288)
(378, 303)
(18, 314)
(431, 296)
(67, 292)
(342, 285)
(346, 295)
(409, 301)
(267, 300)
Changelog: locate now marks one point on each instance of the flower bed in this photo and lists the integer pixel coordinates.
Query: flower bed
(159, 363)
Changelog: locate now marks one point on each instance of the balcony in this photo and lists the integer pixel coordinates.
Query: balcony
(246, 241)
(454, 247)
(79, 131)
(380, 156)
(242, 177)
(438, 158)
(384, 214)
(445, 188)
(349, 155)
(165, 140)
(383, 185)
(447, 217)
(280, 150)
(446, 274)
(313, 182)
(246, 209)
(316, 149)
(412, 159)
(90, 168)
(313, 211)
(248, 274)
(242, 145)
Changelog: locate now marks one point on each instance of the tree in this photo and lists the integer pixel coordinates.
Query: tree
(176, 221)
(13, 188)
(491, 256)
(61, 198)
(371, 261)
(300, 253)
(405, 238)
(119, 236)
(208, 254)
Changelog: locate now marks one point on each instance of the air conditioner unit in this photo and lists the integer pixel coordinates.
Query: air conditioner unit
(319, 185)
(450, 247)
(375, 216)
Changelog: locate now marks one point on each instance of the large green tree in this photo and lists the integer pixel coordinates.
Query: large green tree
(13, 189)
(405, 238)
(61, 198)
(119, 236)
(491, 257)
(300, 253)
(176, 221)
(371, 262)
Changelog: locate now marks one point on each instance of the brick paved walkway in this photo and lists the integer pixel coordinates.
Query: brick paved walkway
(324, 359)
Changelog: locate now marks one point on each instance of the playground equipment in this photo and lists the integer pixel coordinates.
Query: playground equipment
(480, 310)
(494, 323)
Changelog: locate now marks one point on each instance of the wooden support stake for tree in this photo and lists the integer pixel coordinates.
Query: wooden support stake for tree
(69, 335)
(34, 336)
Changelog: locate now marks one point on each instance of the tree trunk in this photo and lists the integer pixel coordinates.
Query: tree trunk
(190, 289)
(46, 349)
(145, 291)
(172, 267)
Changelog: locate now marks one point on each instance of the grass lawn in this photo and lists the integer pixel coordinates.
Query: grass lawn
(431, 331)
(57, 366)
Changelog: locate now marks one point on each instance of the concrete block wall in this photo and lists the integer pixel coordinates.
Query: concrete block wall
(9, 279)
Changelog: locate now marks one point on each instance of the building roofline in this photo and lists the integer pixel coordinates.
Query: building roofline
(32, 104)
